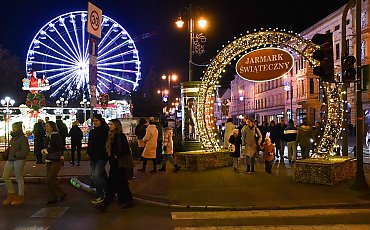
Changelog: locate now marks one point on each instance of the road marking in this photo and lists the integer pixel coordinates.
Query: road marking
(290, 227)
(219, 215)
(51, 212)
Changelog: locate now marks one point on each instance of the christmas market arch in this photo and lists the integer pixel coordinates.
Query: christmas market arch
(258, 40)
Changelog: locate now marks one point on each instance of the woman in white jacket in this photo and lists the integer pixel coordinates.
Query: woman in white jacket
(168, 149)
(229, 127)
(150, 140)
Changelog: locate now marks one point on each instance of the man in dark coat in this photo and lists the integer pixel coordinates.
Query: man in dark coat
(76, 142)
(63, 130)
(98, 156)
(38, 142)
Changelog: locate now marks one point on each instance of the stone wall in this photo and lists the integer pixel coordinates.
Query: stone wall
(201, 160)
(321, 171)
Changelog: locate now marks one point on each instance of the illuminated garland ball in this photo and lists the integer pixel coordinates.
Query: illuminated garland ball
(60, 51)
(35, 101)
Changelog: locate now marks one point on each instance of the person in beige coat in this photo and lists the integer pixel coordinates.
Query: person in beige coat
(229, 127)
(168, 149)
(150, 140)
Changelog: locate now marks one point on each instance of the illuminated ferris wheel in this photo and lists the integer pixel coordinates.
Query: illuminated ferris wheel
(60, 52)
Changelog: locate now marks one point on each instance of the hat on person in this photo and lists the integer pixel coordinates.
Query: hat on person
(99, 117)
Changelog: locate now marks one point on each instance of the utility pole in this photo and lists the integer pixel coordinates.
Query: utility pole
(360, 181)
(345, 84)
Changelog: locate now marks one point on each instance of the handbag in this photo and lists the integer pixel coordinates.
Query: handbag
(231, 148)
(6, 153)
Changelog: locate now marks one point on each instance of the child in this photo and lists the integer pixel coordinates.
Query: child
(235, 142)
(168, 149)
(268, 154)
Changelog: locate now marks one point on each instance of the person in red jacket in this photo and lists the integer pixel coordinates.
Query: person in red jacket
(268, 154)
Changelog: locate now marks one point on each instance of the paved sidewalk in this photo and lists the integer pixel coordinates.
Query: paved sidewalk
(221, 188)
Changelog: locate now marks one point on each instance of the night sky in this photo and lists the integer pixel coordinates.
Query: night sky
(167, 50)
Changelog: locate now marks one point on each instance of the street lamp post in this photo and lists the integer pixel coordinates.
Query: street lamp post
(7, 102)
(85, 104)
(180, 23)
(62, 103)
(242, 98)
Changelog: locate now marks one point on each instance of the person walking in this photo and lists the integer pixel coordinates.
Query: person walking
(76, 142)
(168, 149)
(63, 130)
(268, 154)
(98, 156)
(53, 153)
(117, 147)
(235, 141)
(305, 139)
(19, 149)
(150, 140)
(290, 136)
(140, 130)
(251, 137)
(280, 143)
(38, 140)
(229, 127)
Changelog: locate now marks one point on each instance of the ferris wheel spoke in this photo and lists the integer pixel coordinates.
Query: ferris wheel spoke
(83, 36)
(71, 40)
(109, 43)
(62, 74)
(114, 56)
(118, 70)
(101, 82)
(115, 77)
(68, 53)
(78, 41)
(49, 63)
(53, 57)
(120, 87)
(86, 55)
(65, 42)
(114, 49)
(57, 70)
(56, 51)
(117, 63)
(64, 80)
(105, 36)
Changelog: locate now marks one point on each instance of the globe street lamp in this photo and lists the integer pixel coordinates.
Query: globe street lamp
(7, 102)
(62, 103)
(169, 78)
(85, 104)
(202, 23)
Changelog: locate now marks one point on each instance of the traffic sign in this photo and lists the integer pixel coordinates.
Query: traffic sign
(94, 20)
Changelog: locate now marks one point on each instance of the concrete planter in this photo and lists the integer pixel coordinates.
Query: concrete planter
(320, 171)
(201, 160)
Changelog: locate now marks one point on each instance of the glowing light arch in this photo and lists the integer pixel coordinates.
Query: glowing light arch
(256, 40)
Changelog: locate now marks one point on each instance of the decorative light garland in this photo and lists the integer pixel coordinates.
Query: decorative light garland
(256, 40)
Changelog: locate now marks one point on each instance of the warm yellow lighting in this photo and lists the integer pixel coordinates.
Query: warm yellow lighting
(166, 91)
(179, 23)
(164, 77)
(202, 23)
(158, 91)
(174, 77)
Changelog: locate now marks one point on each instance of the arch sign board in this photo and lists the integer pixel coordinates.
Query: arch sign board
(264, 64)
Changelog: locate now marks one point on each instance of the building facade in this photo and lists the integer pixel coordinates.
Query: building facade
(299, 90)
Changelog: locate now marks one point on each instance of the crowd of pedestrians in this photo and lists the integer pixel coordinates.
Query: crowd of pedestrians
(246, 141)
(106, 143)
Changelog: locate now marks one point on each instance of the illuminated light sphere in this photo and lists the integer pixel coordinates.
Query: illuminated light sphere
(60, 52)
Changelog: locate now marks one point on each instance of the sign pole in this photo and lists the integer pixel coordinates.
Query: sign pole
(94, 21)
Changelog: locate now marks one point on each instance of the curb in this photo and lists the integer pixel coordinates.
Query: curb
(82, 186)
